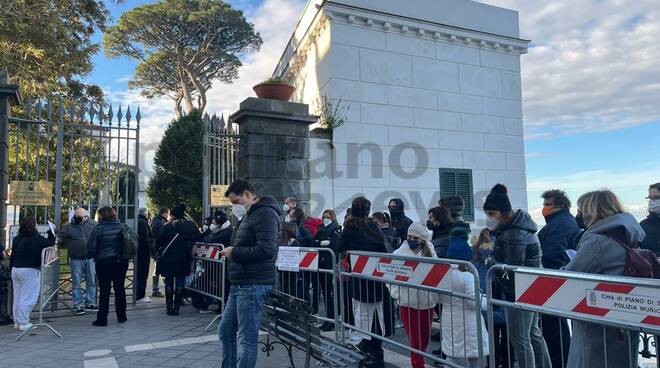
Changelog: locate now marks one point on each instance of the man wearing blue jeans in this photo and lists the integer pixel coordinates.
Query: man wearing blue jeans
(73, 237)
(252, 273)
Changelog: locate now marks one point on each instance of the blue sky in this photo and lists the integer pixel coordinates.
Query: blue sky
(591, 89)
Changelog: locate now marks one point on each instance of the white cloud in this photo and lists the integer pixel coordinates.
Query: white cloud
(593, 66)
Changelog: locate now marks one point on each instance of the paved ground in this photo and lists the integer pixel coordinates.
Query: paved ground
(149, 339)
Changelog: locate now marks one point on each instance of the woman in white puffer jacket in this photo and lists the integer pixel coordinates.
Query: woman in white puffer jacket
(416, 306)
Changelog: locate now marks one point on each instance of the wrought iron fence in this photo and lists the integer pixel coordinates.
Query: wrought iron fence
(220, 157)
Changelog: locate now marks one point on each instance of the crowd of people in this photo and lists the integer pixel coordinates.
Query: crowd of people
(595, 240)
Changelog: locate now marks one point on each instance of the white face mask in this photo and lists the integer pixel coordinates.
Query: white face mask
(286, 208)
(213, 227)
(238, 210)
(654, 206)
(327, 221)
(491, 223)
(206, 227)
(287, 218)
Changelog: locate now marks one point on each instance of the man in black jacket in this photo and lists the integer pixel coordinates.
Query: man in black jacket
(252, 271)
(556, 237)
(651, 224)
(146, 241)
(156, 228)
(400, 221)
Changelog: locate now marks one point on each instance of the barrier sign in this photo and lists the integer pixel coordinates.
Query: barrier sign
(31, 193)
(13, 232)
(613, 301)
(293, 259)
(218, 196)
(414, 272)
(207, 251)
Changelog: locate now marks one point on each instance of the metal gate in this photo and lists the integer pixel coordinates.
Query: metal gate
(88, 153)
(220, 158)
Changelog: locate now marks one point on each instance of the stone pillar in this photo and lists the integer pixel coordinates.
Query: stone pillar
(8, 96)
(273, 151)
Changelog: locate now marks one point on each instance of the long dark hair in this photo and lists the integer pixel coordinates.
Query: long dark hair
(383, 217)
(442, 216)
(288, 232)
(360, 220)
(28, 226)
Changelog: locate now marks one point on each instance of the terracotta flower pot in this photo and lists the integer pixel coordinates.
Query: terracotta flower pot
(274, 91)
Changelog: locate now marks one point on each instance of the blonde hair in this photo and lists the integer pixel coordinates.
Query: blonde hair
(598, 205)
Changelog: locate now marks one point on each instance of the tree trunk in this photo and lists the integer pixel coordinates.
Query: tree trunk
(183, 79)
(201, 91)
(177, 106)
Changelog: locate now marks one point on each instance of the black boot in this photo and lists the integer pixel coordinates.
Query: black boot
(169, 300)
(178, 297)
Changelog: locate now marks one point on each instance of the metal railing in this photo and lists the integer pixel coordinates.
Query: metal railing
(607, 313)
(49, 284)
(208, 275)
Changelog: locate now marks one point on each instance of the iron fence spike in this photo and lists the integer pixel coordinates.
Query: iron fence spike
(128, 116)
(82, 111)
(39, 109)
(28, 108)
(110, 114)
(119, 115)
(91, 113)
(138, 116)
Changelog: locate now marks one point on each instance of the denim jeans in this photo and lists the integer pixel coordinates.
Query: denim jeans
(525, 336)
(86, 267)
(239, 328)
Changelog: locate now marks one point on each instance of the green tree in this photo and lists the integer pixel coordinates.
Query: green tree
(46, 45)
(177, 174)
(182, 46)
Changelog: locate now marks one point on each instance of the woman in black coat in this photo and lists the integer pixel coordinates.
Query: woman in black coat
(173, 252)
(327, 236)
(361, 233)
(105, 246)
(440, 223)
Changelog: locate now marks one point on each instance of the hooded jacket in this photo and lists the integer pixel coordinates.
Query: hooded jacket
(74, 237)
(256, 243)
(556, 237)
(413, 297)
(400, 222)
(598, 253)
(516, 243)
(176, 260)
(651, 226)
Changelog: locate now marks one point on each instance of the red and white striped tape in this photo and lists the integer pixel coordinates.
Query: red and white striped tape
(612, 301)
(415, 272)
(207, 251)
(309, 261)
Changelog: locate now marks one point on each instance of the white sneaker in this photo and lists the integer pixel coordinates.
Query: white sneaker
(144, 300)
(24, 328)
(15, 325)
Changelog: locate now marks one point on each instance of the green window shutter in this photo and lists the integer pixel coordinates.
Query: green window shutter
(458, 182)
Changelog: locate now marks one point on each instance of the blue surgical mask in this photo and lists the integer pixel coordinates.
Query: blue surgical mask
(413, 244)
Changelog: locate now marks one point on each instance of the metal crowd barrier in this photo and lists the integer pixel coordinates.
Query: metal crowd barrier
(383, 289)
(208, 275)
(608, 312)
(49, 284)
(299, 275)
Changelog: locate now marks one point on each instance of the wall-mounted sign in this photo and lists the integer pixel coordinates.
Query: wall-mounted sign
(31, 193)
(218, 196)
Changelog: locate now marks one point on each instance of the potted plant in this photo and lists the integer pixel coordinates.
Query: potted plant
(275, 88)
(331, 115)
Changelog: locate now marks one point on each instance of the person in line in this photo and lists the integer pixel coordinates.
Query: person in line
(303, 233)
(482, 250)
(146, 244)
(651, 224)
(105, 245)
(384, 222)
(600, 251)
(252, 272)
(173, 249)
(327, 237)
(290, 282)
(516, 243)
(557, 237)
(440, 223)
(362, 234)
(290, 203)
(25, 264)
(416, 306)
(156, 228)
(219, 229)
(456, 207)
(459, 316)
(400, 221)
(73, 237)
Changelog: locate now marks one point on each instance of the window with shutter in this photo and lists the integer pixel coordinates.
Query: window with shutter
(458, 182)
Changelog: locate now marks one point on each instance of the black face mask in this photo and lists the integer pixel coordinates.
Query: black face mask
(77, 220)
(431, 225)
(395, 212)
(580, 221)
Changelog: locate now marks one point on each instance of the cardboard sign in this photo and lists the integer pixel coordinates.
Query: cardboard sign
(31, 193)
(218, 196)
(13, 232)
(288, 259)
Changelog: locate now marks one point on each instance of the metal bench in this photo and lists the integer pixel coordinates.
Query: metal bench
(289, 320)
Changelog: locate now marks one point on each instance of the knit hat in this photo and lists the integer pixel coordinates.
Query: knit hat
(80, 212)
(419, 230)
(498, 200)
(459, 249)
(178, 211)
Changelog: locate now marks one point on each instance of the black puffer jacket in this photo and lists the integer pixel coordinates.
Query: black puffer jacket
(26, 250)
(330, 233)
(176, 260)
(651, 226)
(219, 235)
(106, 241)
(255, 245)
(516, 244)
(363, 235)
(401, 223)
(440, 240)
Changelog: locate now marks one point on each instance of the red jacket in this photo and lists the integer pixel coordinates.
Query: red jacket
(312, 224)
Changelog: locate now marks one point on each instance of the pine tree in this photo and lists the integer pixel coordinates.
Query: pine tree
(178, 166)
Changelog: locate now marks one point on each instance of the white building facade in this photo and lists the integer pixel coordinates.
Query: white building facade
(433, 92)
